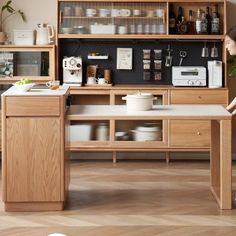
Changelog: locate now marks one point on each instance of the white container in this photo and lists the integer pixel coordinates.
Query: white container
(80, 132)
(145, 133)
(139, 101)
(102, 29)
(23, 37)
(102, 132)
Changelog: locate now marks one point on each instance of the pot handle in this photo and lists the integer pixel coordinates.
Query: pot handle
(124, 98)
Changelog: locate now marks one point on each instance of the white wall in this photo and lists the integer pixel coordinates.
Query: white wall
(36, 11)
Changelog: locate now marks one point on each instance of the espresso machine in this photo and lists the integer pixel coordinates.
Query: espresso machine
(72, 71)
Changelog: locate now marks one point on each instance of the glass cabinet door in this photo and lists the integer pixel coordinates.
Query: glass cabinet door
(37, 63)
(120, 18)
(24, 64)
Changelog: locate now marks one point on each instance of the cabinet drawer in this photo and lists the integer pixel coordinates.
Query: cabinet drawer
(198, 97)
(190, 133)
(33, 106)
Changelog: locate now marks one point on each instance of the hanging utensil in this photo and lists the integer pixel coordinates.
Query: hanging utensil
(182, 55)
(168, 61)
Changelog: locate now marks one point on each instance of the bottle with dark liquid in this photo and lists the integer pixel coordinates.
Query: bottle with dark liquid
(172, 18)
(215, 23)
(204, 24)
(179, 18)
(190, 24)
(182, 26)
(208, 20)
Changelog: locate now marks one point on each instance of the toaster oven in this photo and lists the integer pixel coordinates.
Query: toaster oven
(189, 76)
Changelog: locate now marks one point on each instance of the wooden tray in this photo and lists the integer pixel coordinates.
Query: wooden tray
(97, 85)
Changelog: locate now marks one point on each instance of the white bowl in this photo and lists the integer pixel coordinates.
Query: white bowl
(23, 87)
(67, 30)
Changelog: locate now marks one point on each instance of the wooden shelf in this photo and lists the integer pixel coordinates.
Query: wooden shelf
(112, 18)
(141, 36)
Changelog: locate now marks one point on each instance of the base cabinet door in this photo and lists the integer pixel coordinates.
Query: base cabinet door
(189, 133)
(33, 159)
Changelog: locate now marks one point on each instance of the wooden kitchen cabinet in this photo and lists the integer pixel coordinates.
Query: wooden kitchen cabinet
(189, 133)
(36, 62)
(176, 134)
(35, 169)
(131, 19)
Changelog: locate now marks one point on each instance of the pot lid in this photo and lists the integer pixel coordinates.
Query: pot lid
(148, 128)
(140, 95)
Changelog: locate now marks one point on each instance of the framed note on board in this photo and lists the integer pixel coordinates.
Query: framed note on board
(124, 59)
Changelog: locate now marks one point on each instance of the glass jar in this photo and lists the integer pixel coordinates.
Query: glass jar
(102, 132)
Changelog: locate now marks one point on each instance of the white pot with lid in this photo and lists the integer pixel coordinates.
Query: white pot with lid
(147, 133)
(139, 101)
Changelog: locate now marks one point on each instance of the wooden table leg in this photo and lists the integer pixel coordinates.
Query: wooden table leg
(114, 157)
(221, 163)
(225, 164)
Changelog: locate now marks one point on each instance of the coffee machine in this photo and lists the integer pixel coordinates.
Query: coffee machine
(72, 71)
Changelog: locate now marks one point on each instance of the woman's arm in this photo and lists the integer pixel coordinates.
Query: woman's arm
(231, 105)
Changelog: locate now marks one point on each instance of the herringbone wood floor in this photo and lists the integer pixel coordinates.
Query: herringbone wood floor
(131, 198)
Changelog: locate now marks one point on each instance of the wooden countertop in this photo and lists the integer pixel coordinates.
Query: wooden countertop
(159, 112)
(37, 92)
(136, 86)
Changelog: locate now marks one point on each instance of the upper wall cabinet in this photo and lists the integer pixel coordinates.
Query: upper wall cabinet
(35, 62)
(141, 19)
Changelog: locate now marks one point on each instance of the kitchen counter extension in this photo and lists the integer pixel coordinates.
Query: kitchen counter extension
(104, 112)
(217, 115)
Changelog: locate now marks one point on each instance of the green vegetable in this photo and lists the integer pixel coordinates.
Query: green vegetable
(24, 81)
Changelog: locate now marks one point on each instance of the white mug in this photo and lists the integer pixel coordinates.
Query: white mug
(103, 12)
(102, 81)
(90, 12)
(91, 80)
(125, 12)
(78, 11)
(122, 30)
(115, 12)
(136, 12)
(160, 13)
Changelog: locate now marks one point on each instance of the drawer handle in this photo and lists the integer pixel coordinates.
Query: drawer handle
(199, 97)
(198, 133)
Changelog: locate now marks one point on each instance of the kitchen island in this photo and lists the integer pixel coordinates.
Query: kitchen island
(35, 173)
(220, 150)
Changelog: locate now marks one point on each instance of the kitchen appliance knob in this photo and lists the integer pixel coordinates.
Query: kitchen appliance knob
(78, 65)
(72, 62)
(197, 82)
(190, 82)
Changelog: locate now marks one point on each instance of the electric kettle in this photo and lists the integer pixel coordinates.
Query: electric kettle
(44, 34)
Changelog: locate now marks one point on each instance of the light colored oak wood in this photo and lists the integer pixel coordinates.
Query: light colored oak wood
(225, 164)
(186, 96)
(33, 106)
(189, 133)
(34, 169)
(33, 159)
(215, 157)
(50, 49)
(33, 206)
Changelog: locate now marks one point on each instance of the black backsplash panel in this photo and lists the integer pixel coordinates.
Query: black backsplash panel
(82, 47)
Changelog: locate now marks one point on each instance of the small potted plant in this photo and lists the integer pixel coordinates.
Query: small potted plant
(6, 11)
